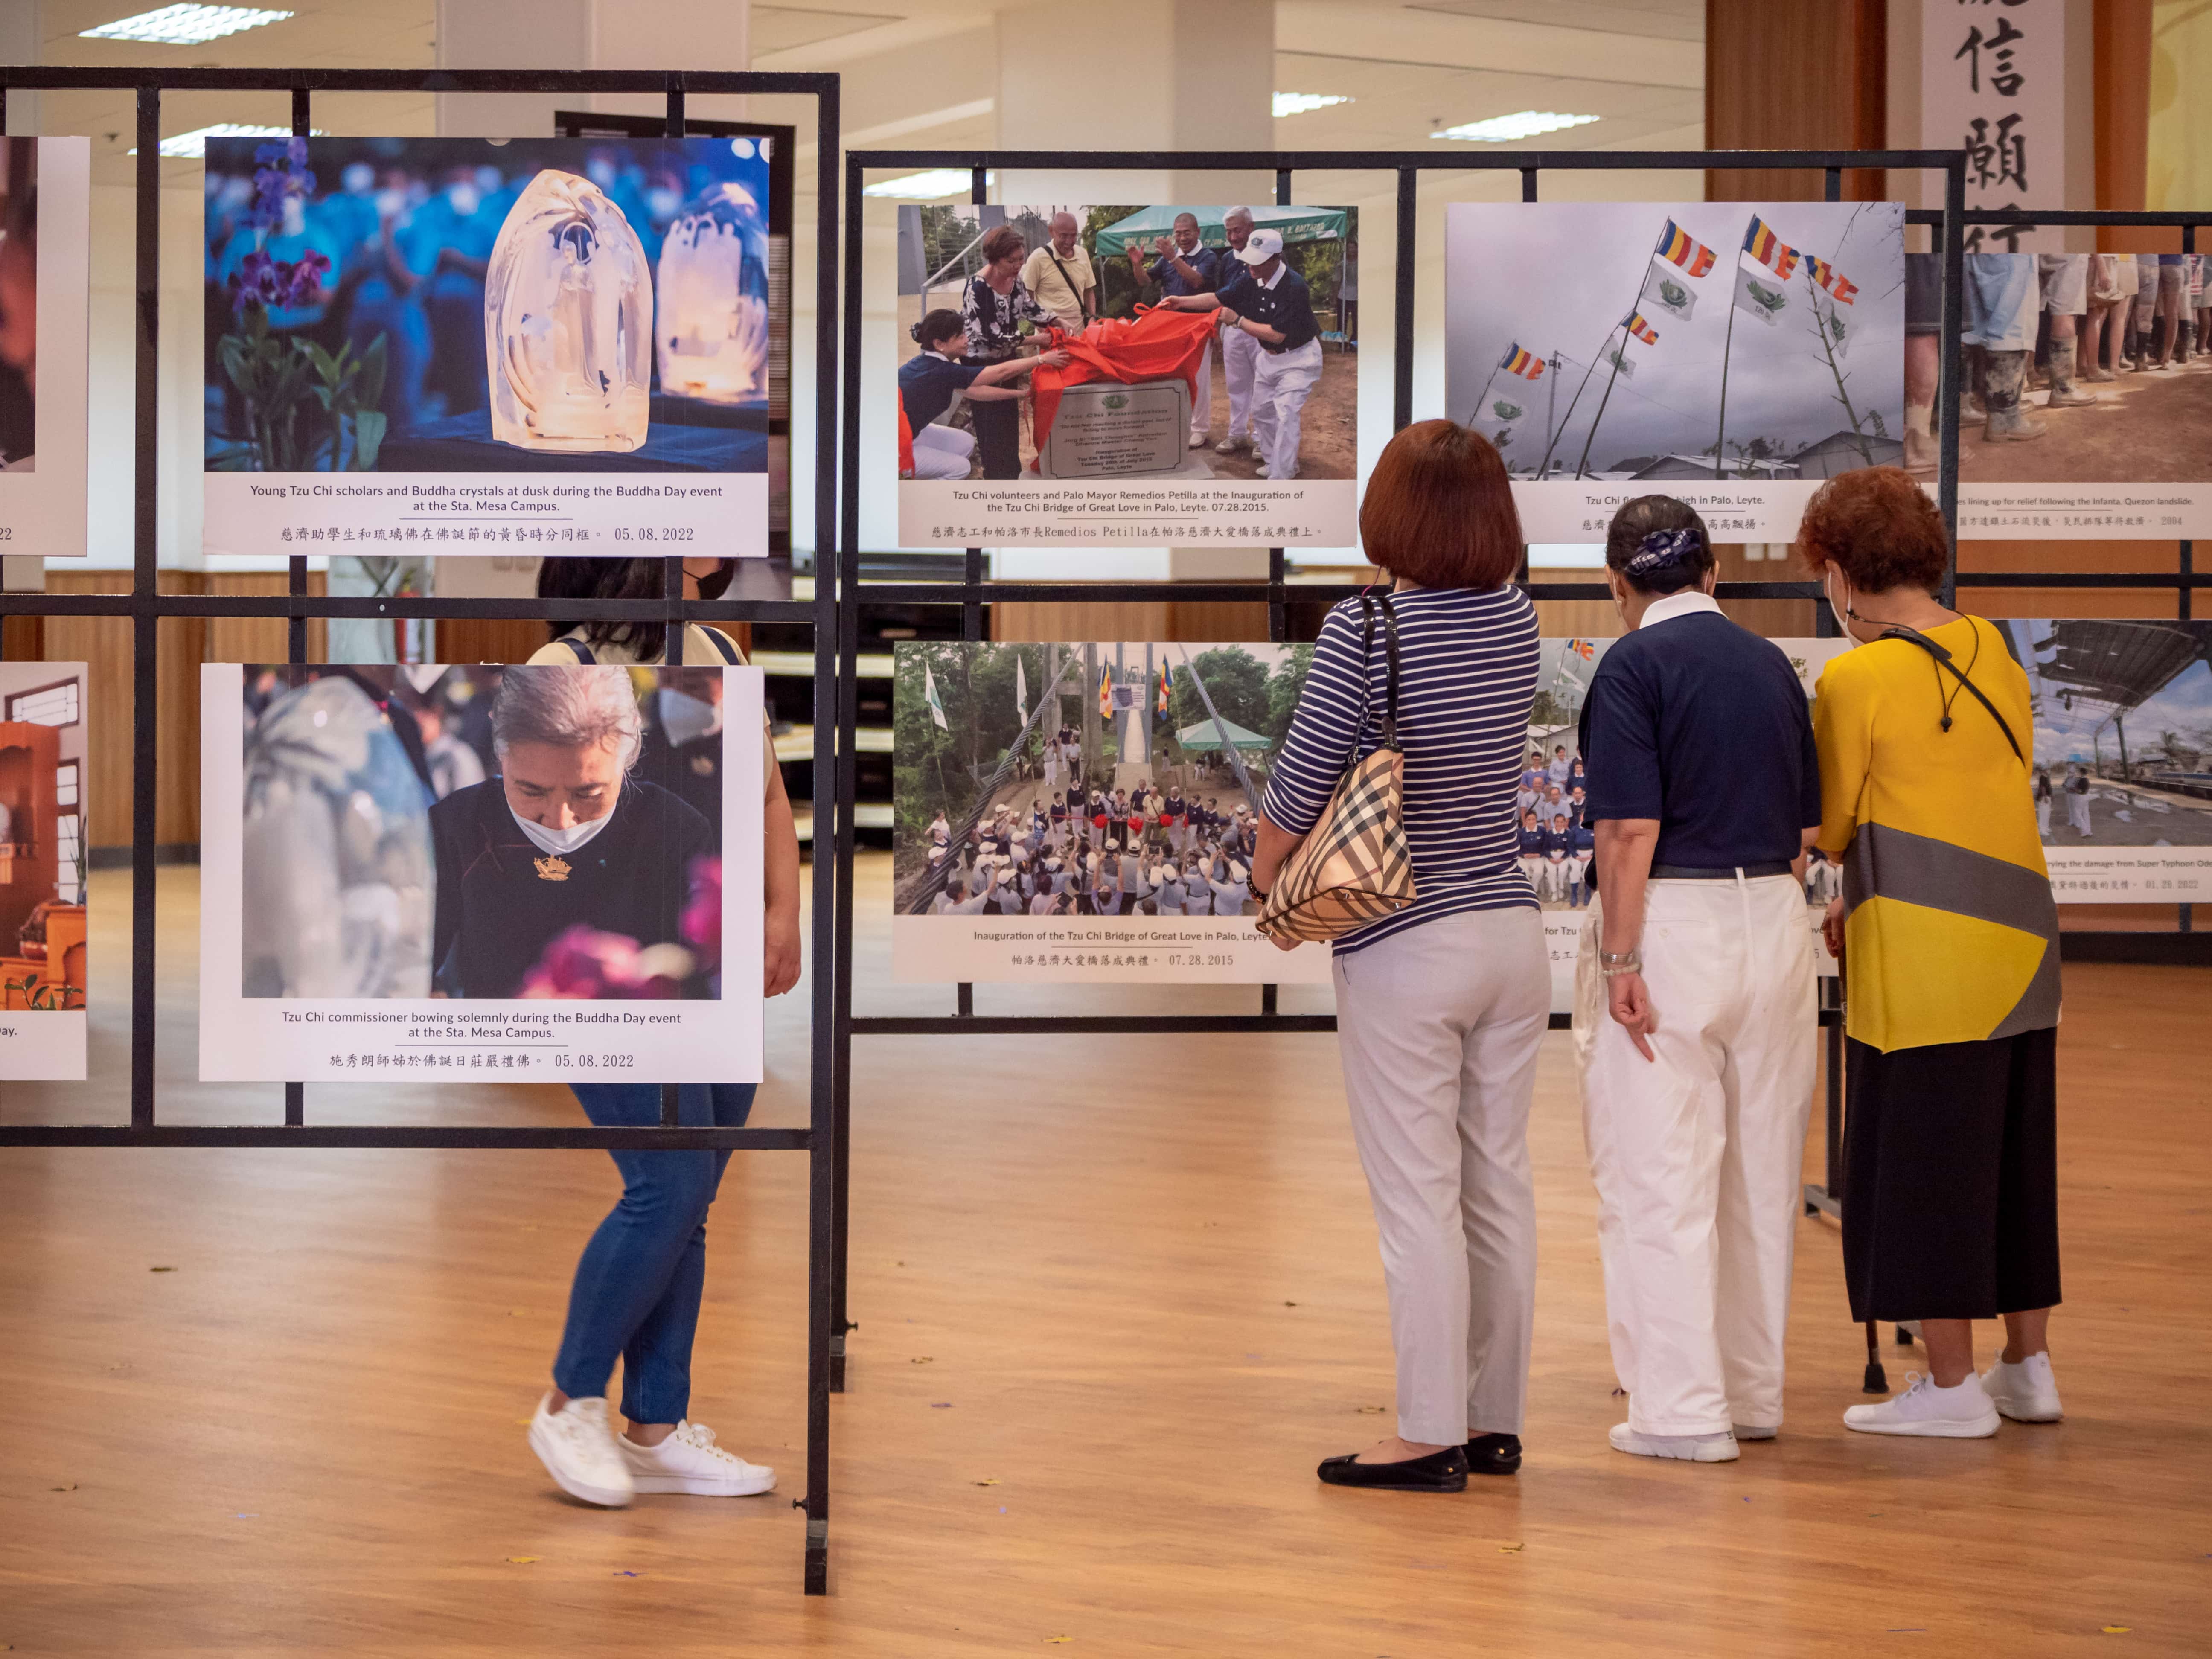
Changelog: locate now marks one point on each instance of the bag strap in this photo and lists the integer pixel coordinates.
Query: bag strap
(721, 643)
(1942, 659)
(1368, 602)
(584, 657)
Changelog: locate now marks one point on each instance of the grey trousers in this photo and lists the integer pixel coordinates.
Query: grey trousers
(1438, 1028)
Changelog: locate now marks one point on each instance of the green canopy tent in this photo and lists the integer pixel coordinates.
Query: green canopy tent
(1295, 224)
(1205, 735)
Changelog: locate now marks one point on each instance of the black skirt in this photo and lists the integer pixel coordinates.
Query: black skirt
(1951, 1178)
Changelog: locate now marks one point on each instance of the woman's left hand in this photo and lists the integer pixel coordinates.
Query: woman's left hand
(1832, 928)
(780, 970)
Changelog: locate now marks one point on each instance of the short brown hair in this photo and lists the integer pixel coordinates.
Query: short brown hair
(1439, 510)
(999, 241)
(1878, 527)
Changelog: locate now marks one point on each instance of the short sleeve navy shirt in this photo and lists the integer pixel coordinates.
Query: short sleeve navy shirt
(1702, 725)
(928, 383)
(1286, 307)
(1205, 261)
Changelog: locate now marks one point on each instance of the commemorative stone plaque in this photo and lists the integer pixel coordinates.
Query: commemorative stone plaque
(1105, 429)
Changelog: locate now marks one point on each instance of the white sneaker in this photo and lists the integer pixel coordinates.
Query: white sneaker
(1688, 1448)
(2026, 1393)
(1260, 471)
(1198, 440)
(578, 1450)
(1230, 446)
(1744, 1434)
(689, 1461)
(1962, 1411)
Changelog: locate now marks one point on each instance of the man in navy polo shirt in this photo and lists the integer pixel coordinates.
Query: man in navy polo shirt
(1694, 1000)
(1269, 301)
(1184, 266)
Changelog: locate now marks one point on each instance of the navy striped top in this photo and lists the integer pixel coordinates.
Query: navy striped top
(1468, 659)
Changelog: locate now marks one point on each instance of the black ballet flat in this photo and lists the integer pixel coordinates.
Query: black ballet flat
(1493, 1454)
(1444, 1471)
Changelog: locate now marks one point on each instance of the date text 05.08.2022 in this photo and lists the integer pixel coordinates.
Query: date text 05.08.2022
(594, 1062)
(654, 534)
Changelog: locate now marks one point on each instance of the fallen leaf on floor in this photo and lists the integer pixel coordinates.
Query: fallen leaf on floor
(625, 1573)
(522, 1422)
(2117, 1630)
(514, 1313)
(161, 1270)
(1049, 1640)
(1290, 1304)
(71, 1487)
(986, 1482)
(1512, 1549)
(923, 1359)
(1371, 1411)
(524, 1560)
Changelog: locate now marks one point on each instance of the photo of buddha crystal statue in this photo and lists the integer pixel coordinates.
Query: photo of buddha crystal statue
(469, 305)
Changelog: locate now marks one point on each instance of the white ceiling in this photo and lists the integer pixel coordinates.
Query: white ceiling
(1410, 69)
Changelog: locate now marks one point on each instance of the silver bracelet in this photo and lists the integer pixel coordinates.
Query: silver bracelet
(1613, 964)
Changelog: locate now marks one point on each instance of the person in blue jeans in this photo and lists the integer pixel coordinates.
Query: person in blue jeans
(638, 1286)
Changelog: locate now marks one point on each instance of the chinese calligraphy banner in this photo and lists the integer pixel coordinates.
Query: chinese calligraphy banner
(1992, 82)
(543, 873)
(1087, 376)
(1086, 814)
(1790, 372)
(2088, 411)
(454, 346)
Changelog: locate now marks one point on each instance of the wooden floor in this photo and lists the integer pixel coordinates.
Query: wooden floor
(1116, 1296)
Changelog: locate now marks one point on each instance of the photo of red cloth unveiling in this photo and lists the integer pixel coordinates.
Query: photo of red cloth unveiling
(1155, 344)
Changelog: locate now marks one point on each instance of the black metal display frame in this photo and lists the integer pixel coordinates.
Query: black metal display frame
(971, 591)
(146, 606)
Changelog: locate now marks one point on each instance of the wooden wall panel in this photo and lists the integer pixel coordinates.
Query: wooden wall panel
(1794, 74)
(1070, 623)
(479, 640)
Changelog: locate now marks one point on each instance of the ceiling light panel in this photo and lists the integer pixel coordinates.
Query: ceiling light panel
(184, 25)
(1299, 103)
(192, 146)
(935, 186)
(1510, 129)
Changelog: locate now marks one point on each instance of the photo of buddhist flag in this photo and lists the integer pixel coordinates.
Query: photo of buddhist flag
(1653, 383)
(1166, 688)
(1669, 292)
(1677, 245)
(1106, 694)
(1524, 363)
(1763, 245)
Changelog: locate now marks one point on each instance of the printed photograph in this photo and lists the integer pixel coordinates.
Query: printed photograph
(1071, 343)
(2080, 369)
(449, 305)
(1094, 780)
(1558, 849)
(2123, 731)
(19, 304)
(1730, 341)
(482, 833)
(42, 836)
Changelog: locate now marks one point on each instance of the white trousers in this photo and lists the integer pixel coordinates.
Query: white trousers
(1439, 1027)
(1202, 399)
(2077, 814)
(1279, 386)
(1698, 1155)
(942, 451)
(1240, 362)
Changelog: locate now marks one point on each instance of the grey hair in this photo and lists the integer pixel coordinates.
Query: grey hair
(568, 708)
(1244, 213)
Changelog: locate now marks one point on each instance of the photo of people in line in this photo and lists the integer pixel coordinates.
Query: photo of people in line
(450, 304)
(482, 832)
(1189, 342)
(1095, 780)
(2081, 367)
(2123, 731)
(19, 304)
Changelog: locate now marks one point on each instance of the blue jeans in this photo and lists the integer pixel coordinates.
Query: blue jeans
(638, 1286)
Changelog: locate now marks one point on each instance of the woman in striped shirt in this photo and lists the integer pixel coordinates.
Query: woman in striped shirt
(1442, 1006)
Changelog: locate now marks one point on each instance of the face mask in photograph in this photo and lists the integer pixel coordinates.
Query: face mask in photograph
(560, 841)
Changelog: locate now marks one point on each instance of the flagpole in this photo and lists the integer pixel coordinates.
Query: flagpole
(1551, 404)
(1591, 437)
(1544, 466)
(1827, 346)
(1642, 277)
(1720, 438)
(1483, 399)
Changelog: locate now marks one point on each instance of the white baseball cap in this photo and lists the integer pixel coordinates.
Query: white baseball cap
(1260, 246)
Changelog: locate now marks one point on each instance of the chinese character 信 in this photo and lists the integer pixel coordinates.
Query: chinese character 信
(2004, 80)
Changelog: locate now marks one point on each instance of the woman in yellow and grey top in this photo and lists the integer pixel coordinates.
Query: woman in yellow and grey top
(1949, 943)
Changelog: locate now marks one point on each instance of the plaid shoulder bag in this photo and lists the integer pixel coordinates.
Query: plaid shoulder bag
(1353, 867)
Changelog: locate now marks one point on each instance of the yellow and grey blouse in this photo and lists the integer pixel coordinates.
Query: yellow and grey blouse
(1951, 935)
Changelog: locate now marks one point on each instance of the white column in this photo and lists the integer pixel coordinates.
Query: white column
(1196, 75)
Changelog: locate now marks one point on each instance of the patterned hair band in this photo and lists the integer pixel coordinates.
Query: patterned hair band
(1662, 549)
